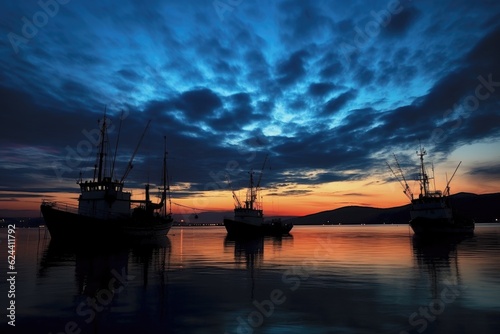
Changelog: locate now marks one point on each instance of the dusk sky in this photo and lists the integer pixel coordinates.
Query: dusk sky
(329, 90)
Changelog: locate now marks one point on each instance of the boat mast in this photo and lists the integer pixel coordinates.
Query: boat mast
(252, 192)
(257, 187)
(249, 202)
(101, 149)
(424, 179)
(164, 194)
(116, 147)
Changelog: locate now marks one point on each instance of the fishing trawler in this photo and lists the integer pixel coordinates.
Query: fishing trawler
(431, 212)
(104, 211)
(249, 219)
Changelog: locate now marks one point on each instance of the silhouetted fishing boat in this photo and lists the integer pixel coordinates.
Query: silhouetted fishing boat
(249, 218)
(104, 210)
(431, 213)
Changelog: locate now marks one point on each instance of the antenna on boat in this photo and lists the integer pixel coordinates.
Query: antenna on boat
(434, 179)
(262, 171)
(424, 178)
(255, 192)
(116, 147)
(130, 166)
(101, 149)
(166, 185)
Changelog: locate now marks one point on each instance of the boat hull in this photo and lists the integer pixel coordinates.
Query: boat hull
(239, 228)
(430, 227)
(64, 225)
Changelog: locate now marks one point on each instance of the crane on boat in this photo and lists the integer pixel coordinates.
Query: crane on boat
(446, 191)
(399, 175)
(236, 199)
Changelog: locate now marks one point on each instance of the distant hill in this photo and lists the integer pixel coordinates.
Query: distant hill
(482, 208)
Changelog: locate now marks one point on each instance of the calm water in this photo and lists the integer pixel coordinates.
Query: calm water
(322, 279)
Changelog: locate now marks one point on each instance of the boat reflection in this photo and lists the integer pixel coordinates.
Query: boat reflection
(247, 250)
(87, 259)
(439, 258)
(250, 251)
(109, 279)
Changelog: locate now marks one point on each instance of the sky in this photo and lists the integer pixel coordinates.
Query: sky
(328, 91)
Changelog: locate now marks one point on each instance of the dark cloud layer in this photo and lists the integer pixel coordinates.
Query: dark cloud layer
(336, 103)
(293, 68)
(402, 22)
(321, 88)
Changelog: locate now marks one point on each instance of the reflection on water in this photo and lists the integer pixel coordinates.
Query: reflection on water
(250, 251)
(104, 282)
(247, 250)
(320, 279)
(439, 259)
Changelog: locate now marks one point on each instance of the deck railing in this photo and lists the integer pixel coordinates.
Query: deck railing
(72, 208)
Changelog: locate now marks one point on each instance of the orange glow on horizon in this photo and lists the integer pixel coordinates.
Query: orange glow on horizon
(276, 202)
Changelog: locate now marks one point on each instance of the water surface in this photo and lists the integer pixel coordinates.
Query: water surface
(319, 279)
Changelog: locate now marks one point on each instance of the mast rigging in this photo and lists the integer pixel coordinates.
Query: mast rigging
(130, 166)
